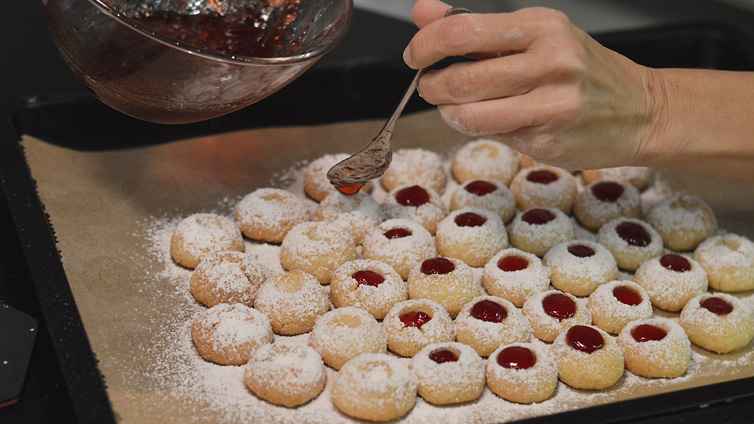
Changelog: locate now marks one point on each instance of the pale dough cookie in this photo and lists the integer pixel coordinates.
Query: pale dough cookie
(617, 303)
(544, 186)
(448, 373)
(357, 214)
(717, 322)
(488, 322)
(447, 281)
(631, 241)
(580, 266)
(587, 358)
(227, 334)
(551, 312)
(515, 275)
(367, 284)
(374, 387)
(415, 166)
(413, 324)
(285, 374)
(537, 230)
(201, 234)
(267, 214)
(729, 262)
(292, 301)
(603, 201)
(226, 277)
(345, 333)
(485, 159)
(683, 221)
(400, 243)
(316, 184)
(317, 248)
(491, 195)
(471, 235)
(416, 203)
(521, 373)
(671, 280)
(655, 348)
(636, 175)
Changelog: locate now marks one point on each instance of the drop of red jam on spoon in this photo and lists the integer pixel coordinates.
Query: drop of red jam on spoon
(443, 355)
(558, 305)
(607, 191)
(542, 177)
(397, 233)
(412, 196)
(646, 333)
(415, 319)
(470, 219)
(489, 311)
(437, 266)
(350, 190)
(675, 262)
(512, 263)
(585, 339)
(627, 295)
(633, 233)
(537, 216)
(580, 251)
(716, 306)
(368, 278)
(480, 188)
(516, 357)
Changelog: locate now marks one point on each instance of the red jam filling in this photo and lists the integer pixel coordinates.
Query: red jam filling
(646, 333)
(607, 191)
(633, 233)
(415, 319)
(396, 233)
(537, 216)
(512, 263)
(716, 305)
(470, 219)
(487, 310)
(675, 262)
(412, 196)
(627, 295)
(542, 177)
(580, 251)
(585, 339)
(558, 305)
(350, 190)
(368, 278)
(443, 355)
(517, 358)
(437, 266)
(480, 188)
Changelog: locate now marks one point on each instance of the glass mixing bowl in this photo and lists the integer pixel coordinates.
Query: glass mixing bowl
(116, 53)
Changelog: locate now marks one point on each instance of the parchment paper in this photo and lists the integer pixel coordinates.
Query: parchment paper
(112, 212)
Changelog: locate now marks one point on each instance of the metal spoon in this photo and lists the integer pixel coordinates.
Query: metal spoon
(350, 174)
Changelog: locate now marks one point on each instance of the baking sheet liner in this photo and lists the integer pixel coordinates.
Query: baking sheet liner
(113, 213)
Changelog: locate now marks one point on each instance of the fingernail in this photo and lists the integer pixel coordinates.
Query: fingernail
(407, 56)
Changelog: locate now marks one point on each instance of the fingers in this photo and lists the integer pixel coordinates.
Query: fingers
(427, 11)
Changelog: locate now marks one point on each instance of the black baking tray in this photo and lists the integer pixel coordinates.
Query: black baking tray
(64, 384)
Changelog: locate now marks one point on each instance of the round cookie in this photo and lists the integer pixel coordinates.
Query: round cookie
(488, 322)
(635, 175)
(227, 334)
(448, 373)
(285, 374)
(603, 201)
(316, 184)
(415, 167)
(471, 235)
(413, 324)
(729, 262)
(400, 243)
(587, 358)
(357, 214)
(226, 277)
(514, 275)
(717, 322)
(267, 214)
(521, 373)
(485, 159)
(317, 248)
(374, 387)
(292, 301)
(671, 280)
(345, 333)
(201, 234)
(655, 348)
(631, 241)
(578, 267)
(617, 303)
(544, 186)
(683, 221)
(551, 312)
(447, 281)
(416, 203)
(537, 230)
(367, 284)
(490, 195)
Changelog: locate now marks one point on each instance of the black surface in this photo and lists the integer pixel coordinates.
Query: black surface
(17, 333)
